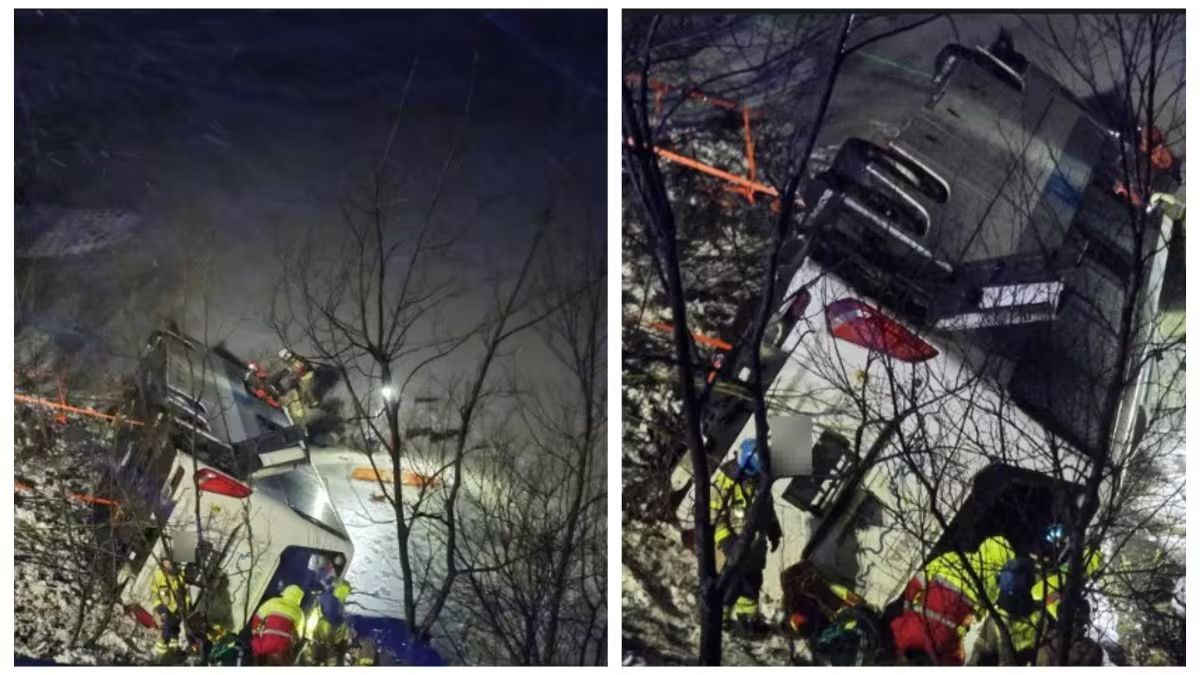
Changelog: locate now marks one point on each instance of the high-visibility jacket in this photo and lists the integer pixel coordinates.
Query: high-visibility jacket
(1047, 589)
(729, 501)
(1024, 631)
(278, 624)
(940, 601)
(295, 407)
(986, 562)
(326, 620)
(168, 589)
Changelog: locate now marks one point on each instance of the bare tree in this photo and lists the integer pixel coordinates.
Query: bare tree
(764, 69)
(541, 525)
(1097, 431)
(373, 311)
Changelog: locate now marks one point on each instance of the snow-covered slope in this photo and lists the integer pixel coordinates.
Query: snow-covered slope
(61, 609)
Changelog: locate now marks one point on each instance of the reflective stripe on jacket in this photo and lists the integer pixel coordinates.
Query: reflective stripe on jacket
(940, 602)
(728, 501)
(986, 562)
(276, 626)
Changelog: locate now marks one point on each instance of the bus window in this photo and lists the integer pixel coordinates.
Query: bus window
(308, 568)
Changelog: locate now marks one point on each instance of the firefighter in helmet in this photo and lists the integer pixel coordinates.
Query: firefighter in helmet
(734, 488)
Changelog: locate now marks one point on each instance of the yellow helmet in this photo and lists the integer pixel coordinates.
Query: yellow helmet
(293, 594)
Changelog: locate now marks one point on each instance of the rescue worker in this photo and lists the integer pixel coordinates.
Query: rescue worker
(1047, 593)
(1016, 609)
(326, 629)
(297, 375)
(1047, 589)
(734, 488)
(308, 384)
(941, 601)
(258, 381)
(293, 405)
(169, 592)
(277, 627)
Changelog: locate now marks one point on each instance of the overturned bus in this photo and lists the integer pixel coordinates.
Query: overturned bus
(218, 481)
(956, 298)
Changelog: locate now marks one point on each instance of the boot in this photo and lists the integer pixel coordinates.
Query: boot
(750, 626)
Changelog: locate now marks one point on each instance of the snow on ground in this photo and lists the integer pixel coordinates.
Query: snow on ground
(47, 577)
(50, 582)
(658, 605)
(374, 573)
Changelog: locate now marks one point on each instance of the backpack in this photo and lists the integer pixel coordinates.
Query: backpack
(1016, 581)
(852, 638)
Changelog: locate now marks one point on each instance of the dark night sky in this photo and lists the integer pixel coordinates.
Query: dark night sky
(254, 118)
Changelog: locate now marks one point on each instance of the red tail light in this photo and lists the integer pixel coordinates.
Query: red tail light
(218, 483)
(858, 323)
(139, 614)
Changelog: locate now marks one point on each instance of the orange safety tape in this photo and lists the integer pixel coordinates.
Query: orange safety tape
(744, 186)
(751, 169)
(660, 88)
(70, 408)
(745, 183)
(18, 486)
(699, 337)
(92, 499)
(62, 399)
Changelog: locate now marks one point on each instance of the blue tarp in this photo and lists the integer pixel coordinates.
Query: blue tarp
(26, 661)
(395, 642)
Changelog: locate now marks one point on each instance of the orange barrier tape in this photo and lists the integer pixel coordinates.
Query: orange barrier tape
(18, 486)
(92, 499)
(744, 183)
(70, 408)
(699, 337)
(659, 87)
(745, 186)
(410, 478)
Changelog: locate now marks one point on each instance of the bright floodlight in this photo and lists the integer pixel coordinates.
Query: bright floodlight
(388, 392)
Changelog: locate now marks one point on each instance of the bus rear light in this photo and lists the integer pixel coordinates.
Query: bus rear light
(858, 323)
(216, 482)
